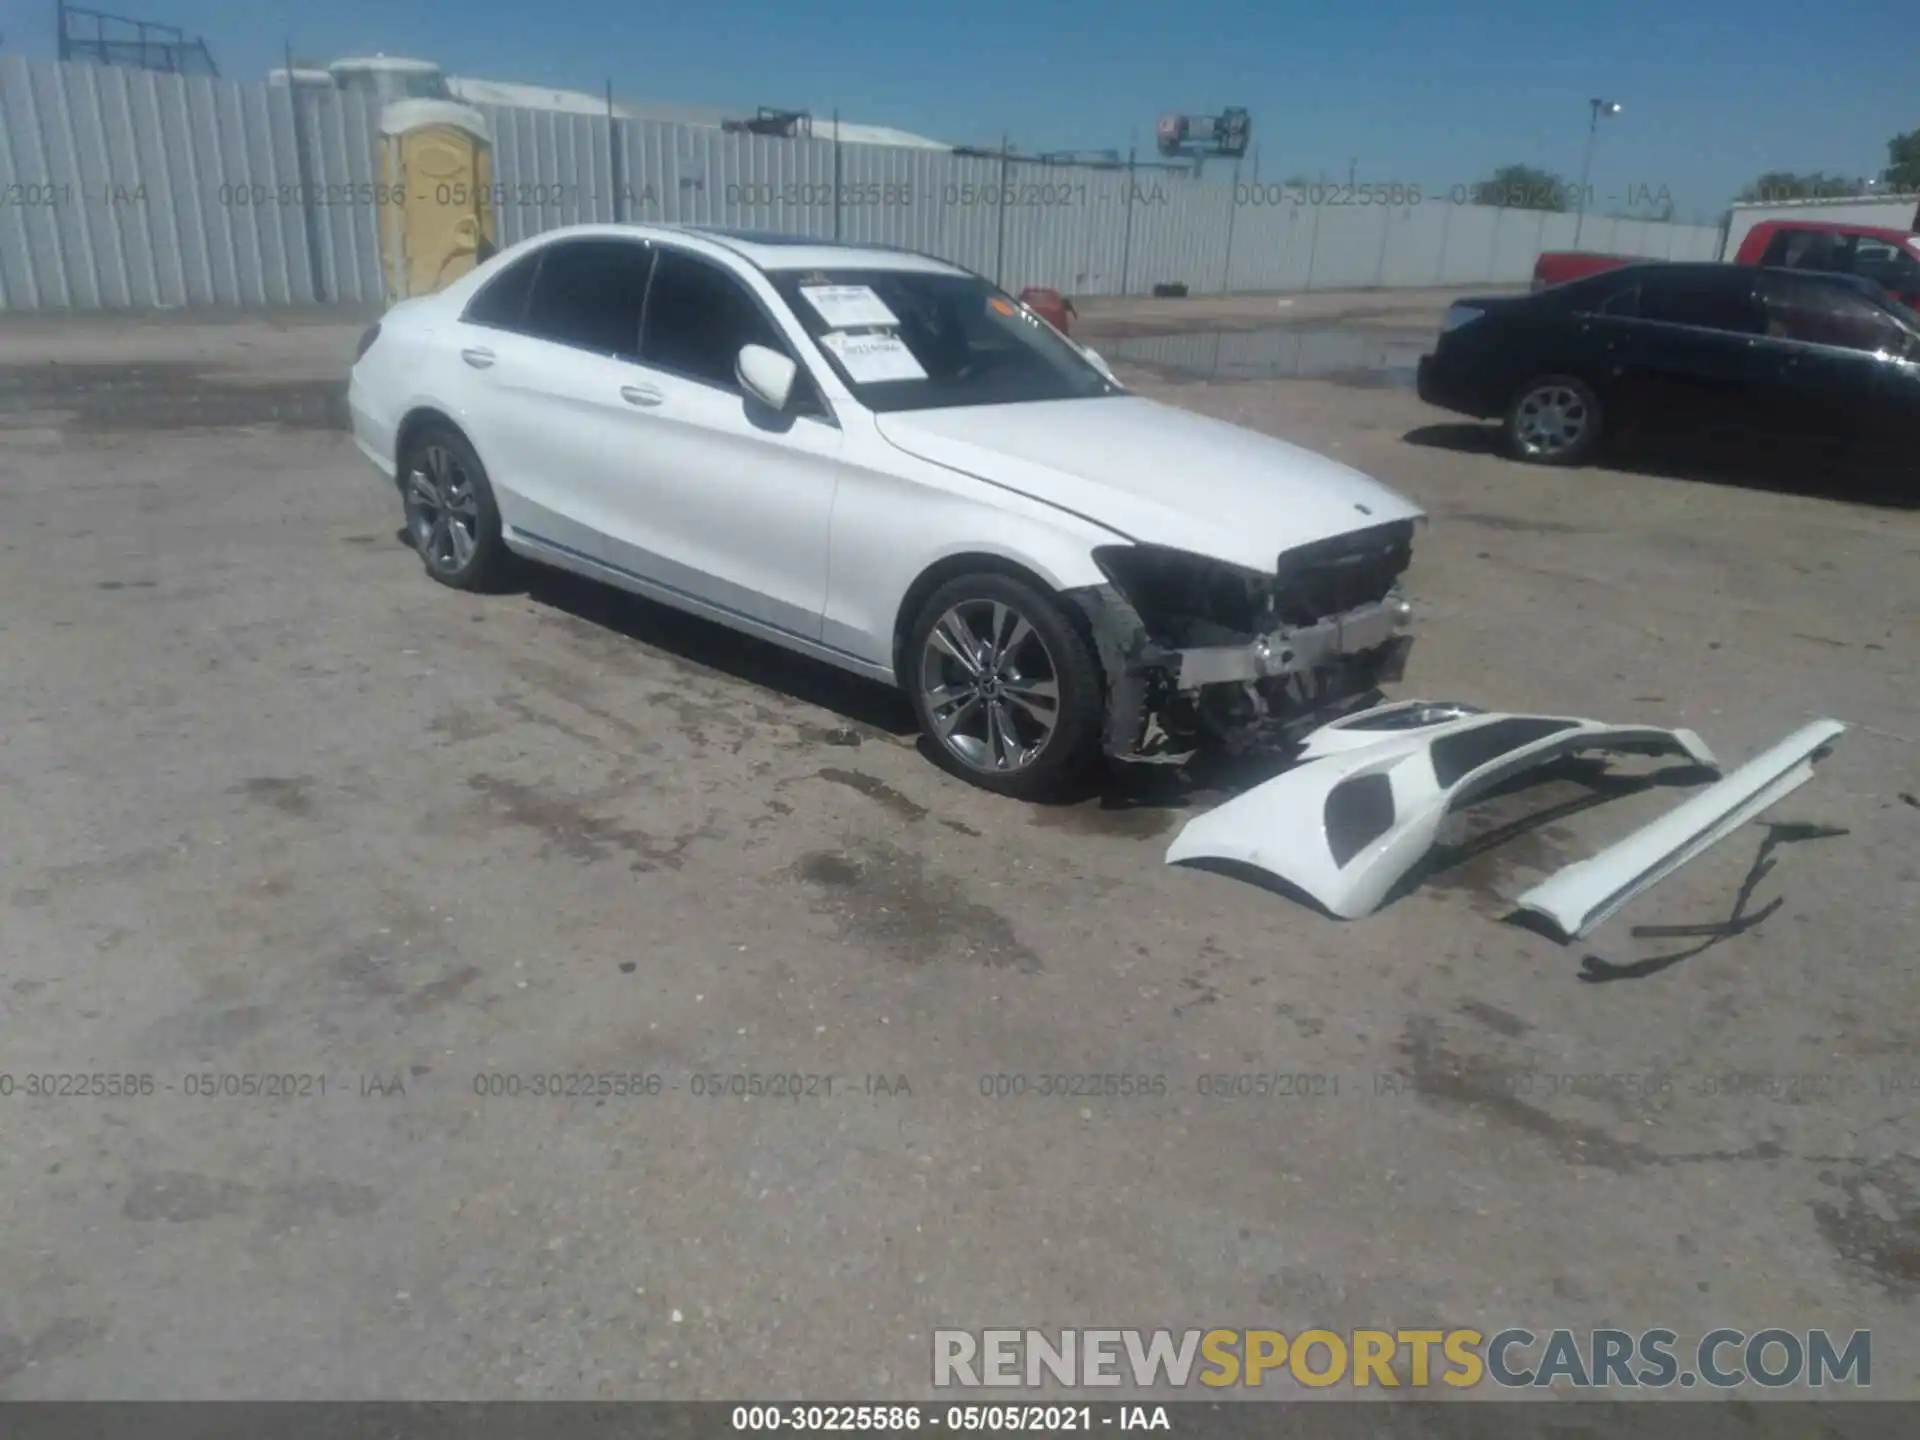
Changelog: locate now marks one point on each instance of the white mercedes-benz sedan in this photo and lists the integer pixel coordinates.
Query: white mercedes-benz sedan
(881, 460)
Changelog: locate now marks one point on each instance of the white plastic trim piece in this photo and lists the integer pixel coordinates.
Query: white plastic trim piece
(1589, 892)
(1285, 826)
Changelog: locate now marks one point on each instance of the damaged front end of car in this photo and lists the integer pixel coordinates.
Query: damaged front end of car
(1200, 653)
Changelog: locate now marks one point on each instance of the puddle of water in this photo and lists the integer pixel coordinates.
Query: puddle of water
(164, 397)
(1365, 357)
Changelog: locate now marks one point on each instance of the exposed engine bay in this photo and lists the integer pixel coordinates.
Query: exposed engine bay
(1198, 652)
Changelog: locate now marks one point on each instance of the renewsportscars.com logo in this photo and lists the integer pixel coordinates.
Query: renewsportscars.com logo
(1391, 1359)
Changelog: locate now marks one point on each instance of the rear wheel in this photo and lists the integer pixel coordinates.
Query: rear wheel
(1005, 687)
(451, 517)
(1554, 420)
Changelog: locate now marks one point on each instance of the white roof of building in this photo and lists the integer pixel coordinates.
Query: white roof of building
(532, 97)
(581, 102)
(875, 135)
(392, 63)
(514, 95)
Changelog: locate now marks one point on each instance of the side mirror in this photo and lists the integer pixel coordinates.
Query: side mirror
(765, 374)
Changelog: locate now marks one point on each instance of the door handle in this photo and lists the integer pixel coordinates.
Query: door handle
(640, 395)
(478, 356)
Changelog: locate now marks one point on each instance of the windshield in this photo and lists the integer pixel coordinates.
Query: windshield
(923, 340)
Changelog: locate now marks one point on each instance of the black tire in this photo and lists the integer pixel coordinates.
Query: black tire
(1554, 420)
(457, 532)
(1068, 749)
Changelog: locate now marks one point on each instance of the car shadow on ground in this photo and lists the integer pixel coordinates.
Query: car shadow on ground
(1115, 791)
(695, 641)
(1740, 463)
(1122, 799)
(1126, 800)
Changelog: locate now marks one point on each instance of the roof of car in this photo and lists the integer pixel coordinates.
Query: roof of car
(771, 250)
(764, 249)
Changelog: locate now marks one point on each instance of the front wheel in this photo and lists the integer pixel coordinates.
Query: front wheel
(1005, 687)
(1554, 420)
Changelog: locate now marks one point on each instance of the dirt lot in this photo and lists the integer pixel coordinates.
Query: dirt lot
(278, 806)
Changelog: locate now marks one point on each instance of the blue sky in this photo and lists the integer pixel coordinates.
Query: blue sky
(1715, 92)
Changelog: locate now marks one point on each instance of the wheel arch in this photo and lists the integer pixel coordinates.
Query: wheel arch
(951, 567)
(411, 424)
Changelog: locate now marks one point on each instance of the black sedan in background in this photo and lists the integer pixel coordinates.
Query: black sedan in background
(1685, 352)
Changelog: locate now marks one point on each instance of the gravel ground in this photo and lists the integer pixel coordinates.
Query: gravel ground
(279, 806)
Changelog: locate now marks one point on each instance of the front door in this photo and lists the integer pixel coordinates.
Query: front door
(1694, 359)
(726, 501)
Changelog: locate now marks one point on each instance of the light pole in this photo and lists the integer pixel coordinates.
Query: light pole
(1599, 108)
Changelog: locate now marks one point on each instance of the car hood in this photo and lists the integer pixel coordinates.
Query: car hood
(1155, 473)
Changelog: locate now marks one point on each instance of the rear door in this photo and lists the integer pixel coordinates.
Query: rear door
(1693, 359)
(553, 427)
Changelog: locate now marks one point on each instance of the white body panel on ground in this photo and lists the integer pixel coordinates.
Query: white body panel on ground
(1588, 892)
(1288, 828)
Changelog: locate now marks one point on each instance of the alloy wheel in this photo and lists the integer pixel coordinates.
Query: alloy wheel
(443, 513)
(990, 687)
(1551, 420)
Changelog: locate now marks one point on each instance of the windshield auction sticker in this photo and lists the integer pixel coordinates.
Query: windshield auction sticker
(848, 307)
(871, 359)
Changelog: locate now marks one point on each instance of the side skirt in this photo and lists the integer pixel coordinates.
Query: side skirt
(561, 557)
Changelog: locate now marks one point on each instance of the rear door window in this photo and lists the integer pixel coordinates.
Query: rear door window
(1718, 301)
(588, 296)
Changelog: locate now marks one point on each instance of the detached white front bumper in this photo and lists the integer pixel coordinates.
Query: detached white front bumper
(1363, 806)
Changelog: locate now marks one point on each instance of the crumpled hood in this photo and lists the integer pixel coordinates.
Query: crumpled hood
(1155, 473)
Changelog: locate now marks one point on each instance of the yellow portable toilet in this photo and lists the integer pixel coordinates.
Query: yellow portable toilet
(436, 166)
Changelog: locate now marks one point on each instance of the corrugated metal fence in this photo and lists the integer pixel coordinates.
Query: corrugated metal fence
(130, 189)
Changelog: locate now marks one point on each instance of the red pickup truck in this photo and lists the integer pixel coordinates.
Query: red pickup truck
(1890, 258)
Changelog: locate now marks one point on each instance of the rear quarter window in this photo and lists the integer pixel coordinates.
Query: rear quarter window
(502, 301)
